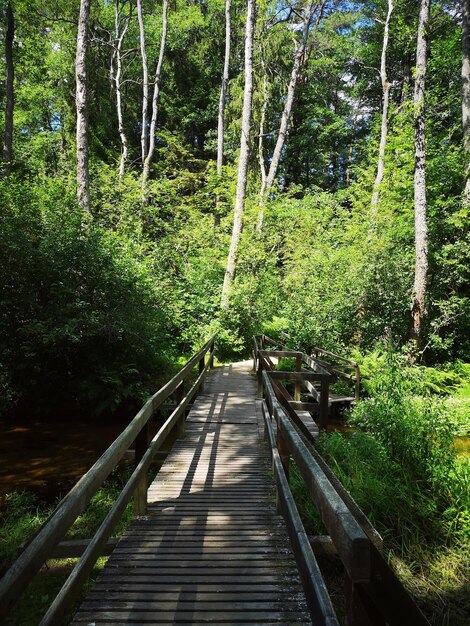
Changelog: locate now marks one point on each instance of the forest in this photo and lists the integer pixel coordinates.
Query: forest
(171, 170)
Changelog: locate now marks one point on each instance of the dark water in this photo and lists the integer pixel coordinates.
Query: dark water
(49, 457)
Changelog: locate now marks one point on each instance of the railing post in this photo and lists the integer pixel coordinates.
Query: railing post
(259, 373)
(181, 423)
(357, 613)
(255, 346)
(140, 493)
(284, 456)
(324, 397)
(357, 386)
(283, 451)
(298, 383)
(200, 370)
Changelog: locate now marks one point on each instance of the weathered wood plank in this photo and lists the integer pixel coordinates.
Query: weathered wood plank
(212, 548)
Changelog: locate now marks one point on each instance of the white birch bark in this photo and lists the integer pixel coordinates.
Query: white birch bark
(117, 73)
(243, 159)
(420, 201)
(156, 92)
(466, 91)
(9, 89)
(385, 103)
(264, 107)
(223, 91)
(81, 101)
(222, 102)
(308, 13)
(145, 84)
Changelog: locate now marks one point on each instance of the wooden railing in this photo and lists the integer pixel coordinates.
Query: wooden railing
(46, 540)
(374, 595)
(338, 366)
(307, 372)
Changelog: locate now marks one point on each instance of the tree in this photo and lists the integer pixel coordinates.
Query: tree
(466, 90)
(223, 95)
(81, 97)
(145, 84)
(243, 158)
(267, 182)
(156, 92)
(385, 101)
(420, 200)
(9, 88)
(116, 69)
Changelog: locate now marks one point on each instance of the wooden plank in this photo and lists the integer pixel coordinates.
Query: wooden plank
(212, 617)
(302, 376)
(211, 528)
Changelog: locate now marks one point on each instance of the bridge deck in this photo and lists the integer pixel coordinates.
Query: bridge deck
(212, 548)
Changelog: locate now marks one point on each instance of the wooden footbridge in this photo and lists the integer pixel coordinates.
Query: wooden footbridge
(216, 537)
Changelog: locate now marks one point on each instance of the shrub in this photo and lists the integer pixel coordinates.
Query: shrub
(80, 326)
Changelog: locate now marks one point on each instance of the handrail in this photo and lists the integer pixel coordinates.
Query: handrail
(374, 593)
(262, 362)
(46, 539)
(313, 360)
(318, 600)
(350, 540)
(356, 377)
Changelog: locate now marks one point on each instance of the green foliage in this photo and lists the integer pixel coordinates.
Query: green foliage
(401, 468)
(78, 305)
(416, 431)
(23, 514)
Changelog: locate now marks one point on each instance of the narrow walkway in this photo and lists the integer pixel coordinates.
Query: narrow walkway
(212, 549)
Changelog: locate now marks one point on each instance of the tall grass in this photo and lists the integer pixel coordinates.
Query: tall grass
(401, 467)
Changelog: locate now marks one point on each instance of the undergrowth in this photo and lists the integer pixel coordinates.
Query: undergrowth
(401, 468)
(23, 515)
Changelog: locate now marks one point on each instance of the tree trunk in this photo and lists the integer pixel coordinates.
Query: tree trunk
(384, 128)
(9, 89)
(243, 159)
(308, 13)
(222, 100)
(145, 84)
(466, 91)
(420, 202)
(264, 106)
(81, 99)
(156, 92)
(117, 83)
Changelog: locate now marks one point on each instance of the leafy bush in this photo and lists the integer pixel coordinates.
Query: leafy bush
(80, 326)
(415, 431)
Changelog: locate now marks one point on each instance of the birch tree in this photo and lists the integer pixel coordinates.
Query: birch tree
(9, 88)
(385, 102)
(266, 184)
(81, 100)
(243, 158)
(145, 83)
(156, 91)
(466, 91)
(120, 33)
(223, 96)
(420, 201)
